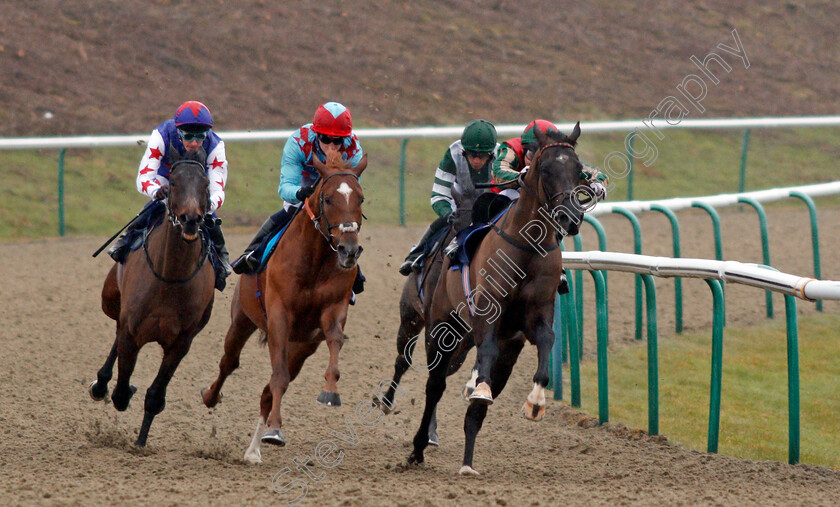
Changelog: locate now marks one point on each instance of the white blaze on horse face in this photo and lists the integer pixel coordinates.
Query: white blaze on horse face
(562, 158)
(345, 189)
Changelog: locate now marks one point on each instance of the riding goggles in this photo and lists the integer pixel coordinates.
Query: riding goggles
(192, 136)
(331, 139)
(476, 154)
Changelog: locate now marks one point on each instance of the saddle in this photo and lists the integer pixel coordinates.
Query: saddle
(469, 239)
(269, 244)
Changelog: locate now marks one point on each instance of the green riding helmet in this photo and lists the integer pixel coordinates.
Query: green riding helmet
(479, 135)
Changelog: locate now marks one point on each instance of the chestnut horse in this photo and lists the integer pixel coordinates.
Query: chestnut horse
(301, 298)
(163, 293)
(516, 303)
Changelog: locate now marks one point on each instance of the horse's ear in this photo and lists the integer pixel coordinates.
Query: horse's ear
(199, 155)
(320, 166)
(542, 138)
(360, 166)
(575, 133)
(174, 155)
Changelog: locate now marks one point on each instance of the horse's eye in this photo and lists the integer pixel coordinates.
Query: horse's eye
(327, 201)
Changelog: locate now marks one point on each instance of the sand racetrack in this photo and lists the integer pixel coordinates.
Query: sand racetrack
(58, 447)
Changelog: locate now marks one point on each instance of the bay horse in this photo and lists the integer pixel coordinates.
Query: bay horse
(163, 293)
(413, 306)
(301, 298)
(513, 305)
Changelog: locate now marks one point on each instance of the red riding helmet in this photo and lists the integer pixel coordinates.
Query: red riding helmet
(528, 135)
(333, 119)
(195, 113)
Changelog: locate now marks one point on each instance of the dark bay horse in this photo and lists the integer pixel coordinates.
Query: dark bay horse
(301, 298)
(513, 305)
(163, 293)
(413, 307)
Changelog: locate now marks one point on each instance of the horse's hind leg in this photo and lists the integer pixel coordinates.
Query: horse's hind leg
(241, 328)
(411, 323)
(508, 353)
(156, 393)
(253, 454)
(98, 389)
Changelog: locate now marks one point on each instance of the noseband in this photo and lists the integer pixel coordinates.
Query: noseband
(171, 216)
(326, 231)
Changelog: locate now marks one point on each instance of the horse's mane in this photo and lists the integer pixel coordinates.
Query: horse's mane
(198, 155)
(334, 161)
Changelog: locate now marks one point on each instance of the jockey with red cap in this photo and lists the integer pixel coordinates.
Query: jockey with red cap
(515, 155)
(331, 130)
(189, 130)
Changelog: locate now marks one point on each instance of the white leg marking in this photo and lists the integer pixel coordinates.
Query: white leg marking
(467, 470)
(252, 455)
(345, 189)
(537, 395)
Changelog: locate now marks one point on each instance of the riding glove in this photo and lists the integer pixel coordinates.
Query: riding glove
(304, 192)
(162, 193)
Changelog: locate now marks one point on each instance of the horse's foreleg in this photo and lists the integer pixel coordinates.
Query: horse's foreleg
(127, 350)
(508, 354)
(488, 352)
(329, 396)
(543, 336)
(98, 389)
(156, 393)
(278, 337)
(241, 328)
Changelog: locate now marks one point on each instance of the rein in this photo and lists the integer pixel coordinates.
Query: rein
(316, 220)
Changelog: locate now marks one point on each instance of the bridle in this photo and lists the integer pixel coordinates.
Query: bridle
(205, 250)
(326, 230)
(565, 194)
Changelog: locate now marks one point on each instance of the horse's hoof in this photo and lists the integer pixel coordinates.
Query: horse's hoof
(383, 405)
(468, 471)
(533, 412)
(210, 401)
(254, 458)
(98, 396)
(434, 440)
(482, 394)
(273, 437)
(329, 399)
(415, 458)
(121, 404)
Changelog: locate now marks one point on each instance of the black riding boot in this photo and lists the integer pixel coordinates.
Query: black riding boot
(414, 260)
(122, 247)
(214, 230)
(119, 250)
(247, 262)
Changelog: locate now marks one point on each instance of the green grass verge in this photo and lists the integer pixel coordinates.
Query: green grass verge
(100, 195)
(754, 406)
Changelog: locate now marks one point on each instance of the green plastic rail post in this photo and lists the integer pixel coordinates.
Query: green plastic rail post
(718, 241)
(630, 172)
(402, 181)
(61, 229)
(742, 179)
(675, 234)
(637, 249)
(815, 235)
(603, 334)
(557, 352)
(793, 376)
(568, 302)
(579, 296)
(653, 356)
(717, 365)
(602, 246)
(793, 379)
(765, 246)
